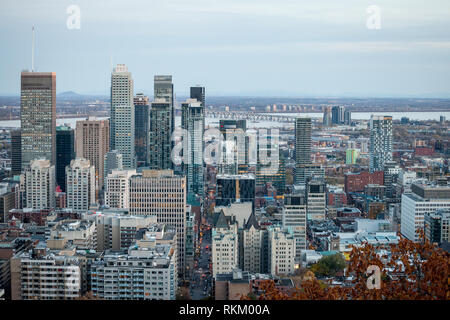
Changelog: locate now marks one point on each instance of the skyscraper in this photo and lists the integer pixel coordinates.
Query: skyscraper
(234, 146)
(113, 161)
(337, 114)
(92, 143)
(16, 152)
(160, 142)
(122, 115)
(327, 120)
(141, 126)
(65, 152)
(380, 147)
(302, 147)
(199, 94)
(38, 116)
(192, 120)
(80, 175)
(163, 89)
(348, 118)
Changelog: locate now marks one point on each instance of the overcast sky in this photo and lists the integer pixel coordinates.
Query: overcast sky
(234, 47)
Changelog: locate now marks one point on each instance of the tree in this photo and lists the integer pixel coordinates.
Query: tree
(329, 265)
(412, 271)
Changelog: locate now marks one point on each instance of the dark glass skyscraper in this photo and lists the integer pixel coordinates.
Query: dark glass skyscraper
(16, 152)
(199, 94)
(65, 152)
(160, 131)
(141, 126)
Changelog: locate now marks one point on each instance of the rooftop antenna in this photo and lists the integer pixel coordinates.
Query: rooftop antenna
(32, 50)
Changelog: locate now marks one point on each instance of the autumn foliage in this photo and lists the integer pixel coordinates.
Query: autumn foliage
(413, 271)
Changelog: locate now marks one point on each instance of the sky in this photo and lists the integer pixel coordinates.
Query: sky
(320, 48)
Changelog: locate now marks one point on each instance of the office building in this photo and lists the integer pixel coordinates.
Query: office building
(235, 145)
(316, 197)
(160, 140)
(65, 152)
(38, 117)
(235, 188)
(122, 115)
(80, 190)
(198, 93)
(40, 184)
(423, 200)
(16, 152)
(302, 144)
(113, 161)
(92, 143)
(161, 193)
(192, 120)
(380, 147)
(294, 217)
(337, 114)
(437, 226)
(117, 190)
(141, 128)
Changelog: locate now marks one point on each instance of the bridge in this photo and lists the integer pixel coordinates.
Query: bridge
(249, 116)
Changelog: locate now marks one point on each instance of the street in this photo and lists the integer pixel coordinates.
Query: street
(201, 282)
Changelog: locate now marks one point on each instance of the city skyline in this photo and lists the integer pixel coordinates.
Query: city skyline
(266, 49)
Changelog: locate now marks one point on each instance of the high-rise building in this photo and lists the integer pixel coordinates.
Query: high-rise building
(437, 226)
(117, 190)
(141, 127)
(80, 190)
(198, 93)
(38, 116)
(270, 168)
(113, 161)
(348, 117)
(92, 143)
(252, 245)
(327, 117)
(225, 245)
(316, 197)
(59, 268)
(152, 268)
(160, 142)
(40, 184)
(235, 158)
(422, 200)
(65, 152)
(235, 188)
(16, 152)
(294, 216)
(281, 251)
(303, 141)
(161, 193)
(351, 155)
(163, 89)
(337, 114)
(380, 147)
(122, 115)
(192, 120)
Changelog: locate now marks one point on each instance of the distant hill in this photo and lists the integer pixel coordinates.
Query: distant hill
(69, 94)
